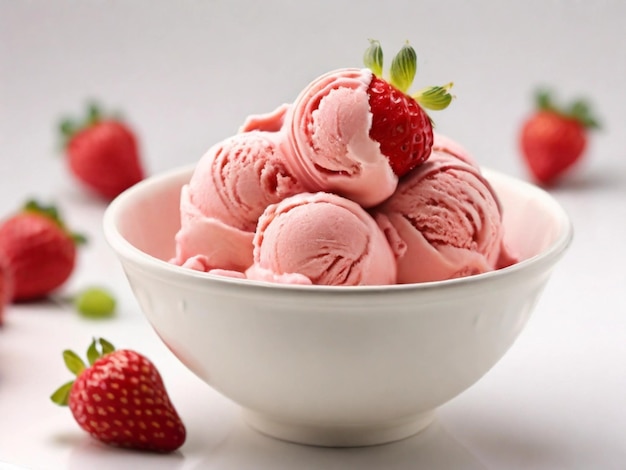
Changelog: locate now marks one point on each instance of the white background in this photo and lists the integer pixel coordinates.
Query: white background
(186, 74)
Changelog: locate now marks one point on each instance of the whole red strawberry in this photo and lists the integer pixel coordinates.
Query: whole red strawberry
(120, 399)
(102, 153)
(6, 286)
(39, 249)
(553, 140)
(399, 123)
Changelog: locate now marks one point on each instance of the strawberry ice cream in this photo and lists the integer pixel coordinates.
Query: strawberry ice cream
(329, 127)
(231, 186)
(347, 185)
(444, 219)
(321, 238)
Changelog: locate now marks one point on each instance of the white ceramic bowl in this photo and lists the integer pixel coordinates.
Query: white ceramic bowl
(336, 366)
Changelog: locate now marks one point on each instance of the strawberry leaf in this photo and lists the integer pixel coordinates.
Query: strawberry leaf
(94, 114)
(61, 395)
(53, 214)
(98, 348)
(578, 110)
(76, 365)
(67, 128)
(373, 58)
(79, 238)
(581, 111)
(49, 211)
(106, 347)
(543, 100)
(73, 362)
(434, 97)
(403, 68)
(92, 353)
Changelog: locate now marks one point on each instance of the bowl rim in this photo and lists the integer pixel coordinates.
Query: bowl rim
(126, 250)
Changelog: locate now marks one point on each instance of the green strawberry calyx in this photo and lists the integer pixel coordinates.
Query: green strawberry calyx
(579, 109)
(98, 348)
(69, 127)
(33, 206)
(402, 73)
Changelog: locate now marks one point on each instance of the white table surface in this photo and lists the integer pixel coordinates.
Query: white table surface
(182, 75)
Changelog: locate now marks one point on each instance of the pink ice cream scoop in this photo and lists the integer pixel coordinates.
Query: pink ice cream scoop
(321, 238)
(444, 219)
(231, 186)
(329, 127)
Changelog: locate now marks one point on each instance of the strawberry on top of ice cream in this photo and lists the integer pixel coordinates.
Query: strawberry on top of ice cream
(355, 133)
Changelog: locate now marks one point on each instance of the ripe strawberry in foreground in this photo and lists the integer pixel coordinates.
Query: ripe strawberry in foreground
(552, 140)
(39, 249)
(399, 123)
(120, 399)
(6, 286)
(102, 153)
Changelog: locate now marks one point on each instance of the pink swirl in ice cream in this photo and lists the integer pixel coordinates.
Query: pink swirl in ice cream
(329, 128)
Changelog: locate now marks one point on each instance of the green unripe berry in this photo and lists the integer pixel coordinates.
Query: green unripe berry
(95, 303)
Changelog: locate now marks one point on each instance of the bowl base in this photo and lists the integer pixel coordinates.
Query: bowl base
(338, 436)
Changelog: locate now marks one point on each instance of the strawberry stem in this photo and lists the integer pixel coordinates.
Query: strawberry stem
(403, 68)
